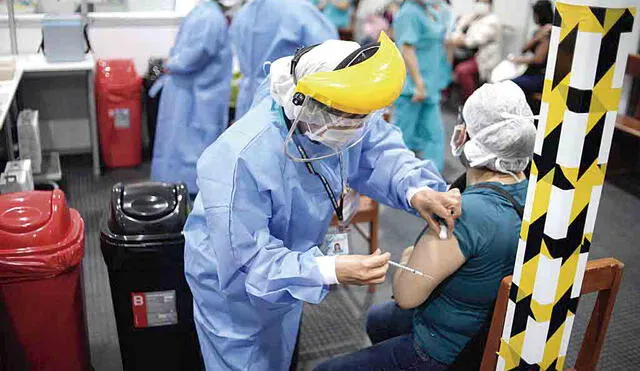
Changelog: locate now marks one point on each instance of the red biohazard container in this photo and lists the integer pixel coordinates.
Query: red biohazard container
(119, 109)
(42, 321)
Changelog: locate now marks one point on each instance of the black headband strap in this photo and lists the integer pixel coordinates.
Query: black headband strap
(296, 58)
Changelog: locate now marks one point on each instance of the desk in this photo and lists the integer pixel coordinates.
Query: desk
(34, 69)
(8, 89)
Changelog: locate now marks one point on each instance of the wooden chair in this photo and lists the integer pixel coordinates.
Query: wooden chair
(602, 276)
(368, 213)
(624, 158)
(625, 123)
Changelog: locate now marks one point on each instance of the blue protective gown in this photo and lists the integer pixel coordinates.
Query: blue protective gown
(340, 18)
(254, 232)
(266, 30)
(194, 107)
(421, 122)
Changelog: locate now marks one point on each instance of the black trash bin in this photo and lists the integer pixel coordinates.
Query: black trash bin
(155, 69)
(142, 245)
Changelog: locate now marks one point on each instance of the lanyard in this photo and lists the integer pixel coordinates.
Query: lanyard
(338, 206)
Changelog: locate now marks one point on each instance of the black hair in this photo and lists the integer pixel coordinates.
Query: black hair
(543, 12)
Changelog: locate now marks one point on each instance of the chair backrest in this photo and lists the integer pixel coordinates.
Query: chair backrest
(602, 276)
(633, 70)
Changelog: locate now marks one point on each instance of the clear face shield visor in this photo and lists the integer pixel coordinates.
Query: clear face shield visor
(321, 132)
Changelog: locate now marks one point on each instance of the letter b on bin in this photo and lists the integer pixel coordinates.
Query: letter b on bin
(143, 246)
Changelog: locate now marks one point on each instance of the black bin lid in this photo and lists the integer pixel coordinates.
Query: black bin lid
(147, 211)
(147, 201)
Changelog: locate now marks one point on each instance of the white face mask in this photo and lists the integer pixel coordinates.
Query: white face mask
(335, 138)
(481, 8)
(230, 3)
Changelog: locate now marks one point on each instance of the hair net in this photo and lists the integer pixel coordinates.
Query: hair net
(323, 58)
(500, 126)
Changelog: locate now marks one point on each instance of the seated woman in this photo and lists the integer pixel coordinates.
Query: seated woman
(434, 316)
(477, 46)
(533, 79)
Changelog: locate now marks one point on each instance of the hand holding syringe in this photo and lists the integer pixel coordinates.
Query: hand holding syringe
(408, 269)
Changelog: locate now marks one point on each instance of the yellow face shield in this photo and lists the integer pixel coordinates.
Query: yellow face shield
(359, 88)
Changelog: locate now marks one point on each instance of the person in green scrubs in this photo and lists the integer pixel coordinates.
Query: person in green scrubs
(419, 35)
(338, 12)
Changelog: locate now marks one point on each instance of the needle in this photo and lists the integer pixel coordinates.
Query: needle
(414, 271)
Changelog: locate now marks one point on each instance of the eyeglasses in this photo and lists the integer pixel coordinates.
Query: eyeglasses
(460, 121)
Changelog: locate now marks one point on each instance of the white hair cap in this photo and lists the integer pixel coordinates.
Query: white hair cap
(322, 58)
(500, 124)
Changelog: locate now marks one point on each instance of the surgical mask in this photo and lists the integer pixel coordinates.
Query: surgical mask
(335, 132)
(481, 8)
(230, 7)
(230, 3)
(335, 138)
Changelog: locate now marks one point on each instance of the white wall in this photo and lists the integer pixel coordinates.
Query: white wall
(118, 35)
(139, 43)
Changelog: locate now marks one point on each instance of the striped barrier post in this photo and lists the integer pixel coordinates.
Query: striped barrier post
(590, 41)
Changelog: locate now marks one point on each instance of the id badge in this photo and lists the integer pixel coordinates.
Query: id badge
(337, 242)
(350, 206)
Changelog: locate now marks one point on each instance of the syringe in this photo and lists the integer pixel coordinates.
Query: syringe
(414, 271)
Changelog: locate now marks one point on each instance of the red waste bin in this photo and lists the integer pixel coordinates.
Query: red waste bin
(119, 109)
(42, 322)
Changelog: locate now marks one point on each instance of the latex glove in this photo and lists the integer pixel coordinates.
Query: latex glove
(362, 269)
(446, 205)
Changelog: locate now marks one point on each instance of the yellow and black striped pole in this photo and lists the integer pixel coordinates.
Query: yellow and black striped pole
(590, 41)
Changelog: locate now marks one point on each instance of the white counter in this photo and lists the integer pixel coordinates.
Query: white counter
(8, 90)
(30, 78)
(36, 63)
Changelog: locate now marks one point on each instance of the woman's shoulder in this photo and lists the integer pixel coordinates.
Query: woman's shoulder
(477, 203)
(487, 201)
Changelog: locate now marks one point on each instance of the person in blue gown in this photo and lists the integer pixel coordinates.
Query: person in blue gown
(265, 30)
(194, 104)
(253, 238)
(419, 35)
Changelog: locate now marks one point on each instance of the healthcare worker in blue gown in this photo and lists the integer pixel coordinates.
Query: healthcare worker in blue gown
(194, 105)
(418, 33)
(270, 185)
(266, 30)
